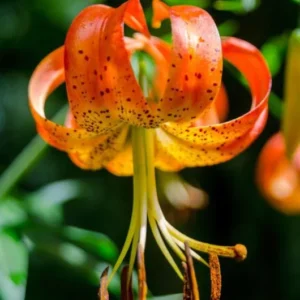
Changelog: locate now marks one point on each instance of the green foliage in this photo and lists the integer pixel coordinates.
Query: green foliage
(274, 50)
(13, 266)
(94, 242)
(11, 213)
(201, 3)
(237, 6)
(61, 13)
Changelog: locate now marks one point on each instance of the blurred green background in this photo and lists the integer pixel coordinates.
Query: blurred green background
(61, 226)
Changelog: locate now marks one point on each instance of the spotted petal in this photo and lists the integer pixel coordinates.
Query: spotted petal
(87, 150)
(48, 75)
(122, 163)
(96, 156)
(207, 145)
(195, 64)
(101, 85)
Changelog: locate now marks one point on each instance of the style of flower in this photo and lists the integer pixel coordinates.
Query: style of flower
(118, 122)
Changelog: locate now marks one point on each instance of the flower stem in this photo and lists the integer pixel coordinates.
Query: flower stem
(26, 159)
(152, 200)
(140, 193)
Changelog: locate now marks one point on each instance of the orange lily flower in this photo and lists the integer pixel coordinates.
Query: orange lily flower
(278, 177)
(119, 123)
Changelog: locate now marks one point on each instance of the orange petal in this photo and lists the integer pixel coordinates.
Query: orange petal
(278, 178)
(218, 111)
(96, 156)
(135, 18)
(221, 104)
(165, 160)
(196, 64)
(101, 85)
(160, 13)
(122, 163)
(206, 145)
(48, 75)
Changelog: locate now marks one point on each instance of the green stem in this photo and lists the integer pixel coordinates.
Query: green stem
(153, 201)
(25, 160)
(139, 208)
(140, 192)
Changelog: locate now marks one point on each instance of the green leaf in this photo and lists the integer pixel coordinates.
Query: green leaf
(82, 263)
(62, 13)
(275, 106)
(200, 3)
(13, 266)
(237, 6)
(11, 212)
(228, 28)
(46, 203)
(274, 50)
(97, 243)
(25, 160)
(9, 290)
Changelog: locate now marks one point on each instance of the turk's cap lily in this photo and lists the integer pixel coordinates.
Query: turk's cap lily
(105, 98)
(129, 128)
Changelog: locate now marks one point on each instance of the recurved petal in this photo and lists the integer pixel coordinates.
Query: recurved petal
(48, 75)
(216, 113)
(195, 67)
(206, 145)
(101, 85)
